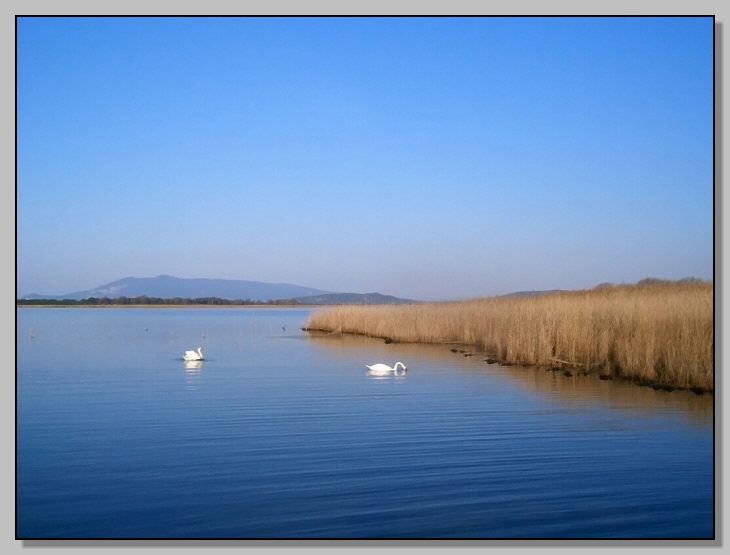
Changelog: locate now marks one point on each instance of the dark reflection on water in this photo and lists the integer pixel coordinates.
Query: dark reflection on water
(279, 434)
(569, 391)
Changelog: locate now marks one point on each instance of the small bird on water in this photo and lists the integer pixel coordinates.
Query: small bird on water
(381, 369)
(193, 355)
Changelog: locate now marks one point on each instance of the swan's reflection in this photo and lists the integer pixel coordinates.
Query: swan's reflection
(193, 374)
(193, 366)
(375, 375)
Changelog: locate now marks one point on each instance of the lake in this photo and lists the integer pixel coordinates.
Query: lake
(278, 434)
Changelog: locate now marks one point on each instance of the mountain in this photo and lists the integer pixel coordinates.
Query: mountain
(532, 293)
(168, 287)
(352, 298)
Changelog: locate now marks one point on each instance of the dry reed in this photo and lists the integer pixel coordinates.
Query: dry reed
(658, 333)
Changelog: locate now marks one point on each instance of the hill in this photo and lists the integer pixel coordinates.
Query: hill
(352, 298)
(168, 287)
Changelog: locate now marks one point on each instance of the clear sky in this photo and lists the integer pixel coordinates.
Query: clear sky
(428, 158)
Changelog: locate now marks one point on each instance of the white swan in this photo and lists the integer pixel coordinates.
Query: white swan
(381, 369)
(192, 355)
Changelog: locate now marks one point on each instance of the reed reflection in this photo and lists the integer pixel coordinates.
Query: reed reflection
(568, 391)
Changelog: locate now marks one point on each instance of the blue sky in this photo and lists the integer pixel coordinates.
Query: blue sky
(430, 158)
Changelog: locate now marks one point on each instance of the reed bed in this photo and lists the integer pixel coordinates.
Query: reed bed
(650, 333)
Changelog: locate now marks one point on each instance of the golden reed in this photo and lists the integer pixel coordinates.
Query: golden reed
(653, 332)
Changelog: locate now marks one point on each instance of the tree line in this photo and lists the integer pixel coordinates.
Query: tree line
(146, 300)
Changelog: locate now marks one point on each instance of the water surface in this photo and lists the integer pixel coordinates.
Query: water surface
(281, 435)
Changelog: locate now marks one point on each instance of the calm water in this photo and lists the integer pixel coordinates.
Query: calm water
(277, 434)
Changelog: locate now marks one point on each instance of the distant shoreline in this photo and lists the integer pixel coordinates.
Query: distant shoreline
(227, 306)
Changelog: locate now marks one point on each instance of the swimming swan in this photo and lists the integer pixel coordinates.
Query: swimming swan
(192, 355)
(381, 369)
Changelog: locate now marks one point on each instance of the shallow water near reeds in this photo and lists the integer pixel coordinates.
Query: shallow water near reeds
(279, 434)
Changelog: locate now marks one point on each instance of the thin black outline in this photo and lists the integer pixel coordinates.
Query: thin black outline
(166, 542)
